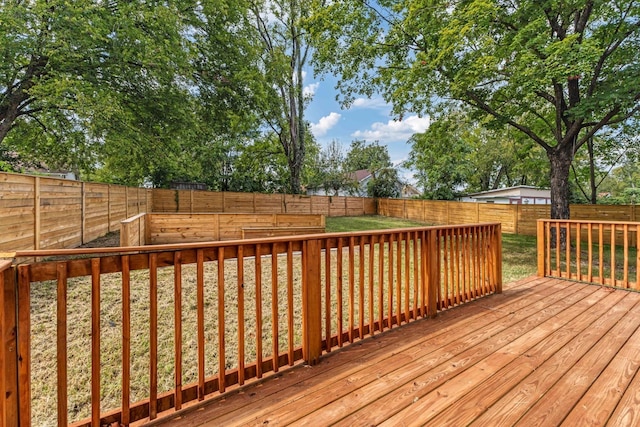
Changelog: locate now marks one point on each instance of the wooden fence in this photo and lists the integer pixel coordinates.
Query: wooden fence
(515, 219)
(194, 201)
(51, 213)
(169, 228)
(606, 253)
(207, 310)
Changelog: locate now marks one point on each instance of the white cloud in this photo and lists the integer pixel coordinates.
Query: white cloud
(310, 90)
(324, 124)
(375, 103)
(393, 130)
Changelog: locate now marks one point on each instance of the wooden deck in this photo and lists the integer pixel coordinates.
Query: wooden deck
(545, 352)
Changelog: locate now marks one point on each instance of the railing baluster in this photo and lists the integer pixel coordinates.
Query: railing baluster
(476, 264)
(61, 342)
(486, 273)
(407, 283)
(579, 251)
(467, 264)
(372, 247)
(275, 351)
(590, 253)
(626, 255)
(200, 320)
(568, 250)
(290, 307)
(153, 336)
(381, 282)
(455, 264)
(601, 253)
(126, 340)
(613, 254)
(399, 278)
(327, 294)
(361, 310)
(548, 244)
(390, 281)
(426, 255)
(95, 341)
(430, 271)
(339, 291)
(351, 288)
(177, 344)
(416, 270)
(222, 359)
(258, 274)
(445, 266)
(240, 294)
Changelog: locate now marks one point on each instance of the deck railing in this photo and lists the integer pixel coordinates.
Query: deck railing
(605, 253)
(117, 337)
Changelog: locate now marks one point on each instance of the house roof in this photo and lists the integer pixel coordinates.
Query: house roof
(359, 175)
(516, 191)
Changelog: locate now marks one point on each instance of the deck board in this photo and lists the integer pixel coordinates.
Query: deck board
(546, 351)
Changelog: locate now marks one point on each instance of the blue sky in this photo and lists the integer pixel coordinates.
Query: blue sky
(368, 119)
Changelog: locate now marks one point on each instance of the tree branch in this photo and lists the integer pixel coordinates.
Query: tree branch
(480, 104)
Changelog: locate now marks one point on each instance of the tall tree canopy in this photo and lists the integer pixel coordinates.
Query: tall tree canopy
(76, 74)
(286, 52)
(557, 71)
(370, 156)
(152, 92)
(456, 155)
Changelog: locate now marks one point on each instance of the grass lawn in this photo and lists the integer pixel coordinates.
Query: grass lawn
(518, 252)
(370, 222)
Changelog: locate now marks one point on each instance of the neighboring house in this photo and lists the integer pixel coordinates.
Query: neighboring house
(408, 191)
(519, 195)
(31, 168)
(52, 174)
(357, 186)
(175, 185)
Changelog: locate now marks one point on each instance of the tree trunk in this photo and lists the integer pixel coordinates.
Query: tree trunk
(560, 160)
(592, 172)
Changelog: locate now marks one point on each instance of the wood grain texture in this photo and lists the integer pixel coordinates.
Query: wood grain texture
(489, 362)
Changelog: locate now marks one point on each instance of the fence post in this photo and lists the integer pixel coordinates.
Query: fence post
(311, 302)
(431, 264)
(8, 356)
(36, 213)
(540, 247)
(83, 216)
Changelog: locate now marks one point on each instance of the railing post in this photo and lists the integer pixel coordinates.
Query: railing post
(432, 259)
(497, 256)
(8, 356)
(311, 302)
(540, 247)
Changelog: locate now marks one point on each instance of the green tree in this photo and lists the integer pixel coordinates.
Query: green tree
(439, 157)
(370, 156)
(609, 150)
(332, 176)
(78, 76)
(286, 51)
(385, 184)
(621, 185)
(558, 72)
(261, 167)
